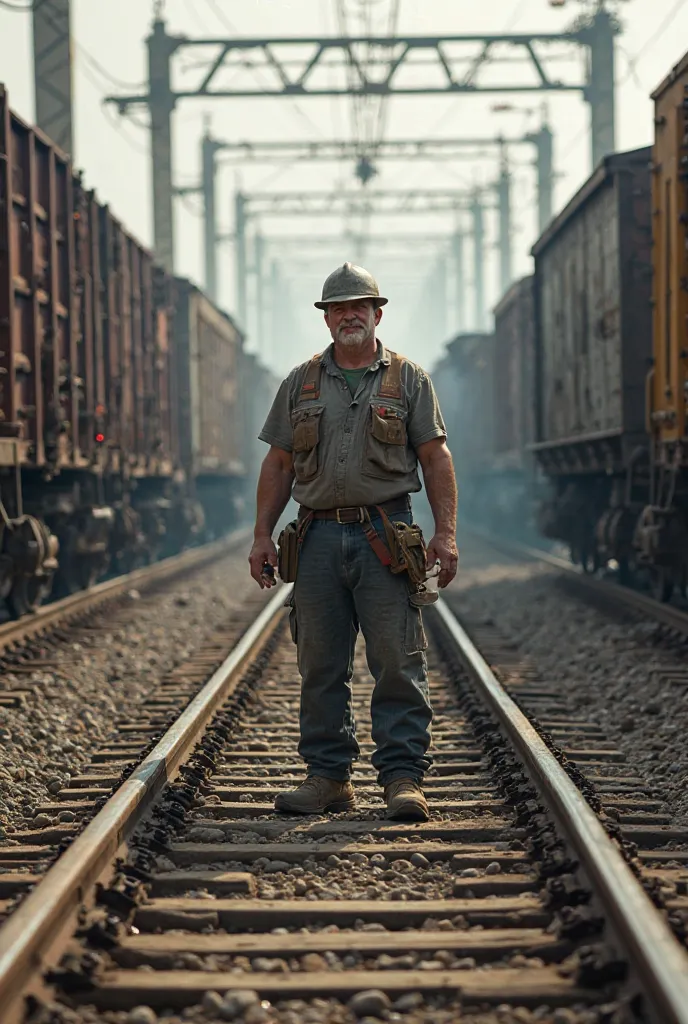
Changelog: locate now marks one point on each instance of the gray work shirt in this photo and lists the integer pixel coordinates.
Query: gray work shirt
(354, 451)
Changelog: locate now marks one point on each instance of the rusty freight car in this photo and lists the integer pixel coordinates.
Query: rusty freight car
(209, 409)
(662, 533)
(121, 425)
(593, 341)
(88, 445)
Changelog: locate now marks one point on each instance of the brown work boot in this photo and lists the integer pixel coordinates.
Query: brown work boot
(405, 801)
(316, 795)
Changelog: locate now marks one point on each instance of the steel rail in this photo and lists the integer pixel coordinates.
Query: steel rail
(660, 964)
(30, 939)
(615, 593)
(50, 614)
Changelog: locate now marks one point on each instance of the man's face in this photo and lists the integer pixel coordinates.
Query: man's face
(353, 323)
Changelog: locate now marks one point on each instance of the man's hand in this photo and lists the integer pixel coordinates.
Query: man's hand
(442, 548)
(263, 552)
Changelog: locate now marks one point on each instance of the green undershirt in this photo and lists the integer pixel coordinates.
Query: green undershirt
(353, 378)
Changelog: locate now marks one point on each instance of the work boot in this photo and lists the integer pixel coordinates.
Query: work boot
(316, 795)
(405, 801)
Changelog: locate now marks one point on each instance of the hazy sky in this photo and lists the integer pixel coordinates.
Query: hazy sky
(110, 57)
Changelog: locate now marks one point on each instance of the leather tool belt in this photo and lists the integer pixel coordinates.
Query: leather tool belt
(357, 513)
(402, 550)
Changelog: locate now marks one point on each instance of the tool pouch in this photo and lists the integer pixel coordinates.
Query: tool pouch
(288, 552)
(409, 555)
(289, 546)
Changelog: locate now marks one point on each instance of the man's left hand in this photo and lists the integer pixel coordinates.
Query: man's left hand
(442, 548)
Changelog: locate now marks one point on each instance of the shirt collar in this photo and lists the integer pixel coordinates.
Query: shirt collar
(382, 358)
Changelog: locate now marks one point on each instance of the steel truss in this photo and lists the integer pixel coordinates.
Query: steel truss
(456, 64)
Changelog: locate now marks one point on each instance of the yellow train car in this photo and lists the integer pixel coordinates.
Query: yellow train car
(662, 534)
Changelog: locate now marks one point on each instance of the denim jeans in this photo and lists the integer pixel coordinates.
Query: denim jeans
(341, 585)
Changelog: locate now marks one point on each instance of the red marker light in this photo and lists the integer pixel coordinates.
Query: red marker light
(100, 438)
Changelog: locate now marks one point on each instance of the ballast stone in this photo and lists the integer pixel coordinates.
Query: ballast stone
(142, 1015)
(372, 1003)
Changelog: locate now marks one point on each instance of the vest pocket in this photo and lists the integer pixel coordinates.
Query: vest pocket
(305, 442)
(386, 442)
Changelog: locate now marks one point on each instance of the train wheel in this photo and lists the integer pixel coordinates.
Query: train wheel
(27, 595)
(662, 584)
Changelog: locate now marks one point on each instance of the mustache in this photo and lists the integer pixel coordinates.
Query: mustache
(354, 323)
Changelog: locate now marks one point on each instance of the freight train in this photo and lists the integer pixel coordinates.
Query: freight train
(126, 396)
(485, 384)
(577, 403)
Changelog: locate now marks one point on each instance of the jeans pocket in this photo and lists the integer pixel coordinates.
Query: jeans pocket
(415, 641)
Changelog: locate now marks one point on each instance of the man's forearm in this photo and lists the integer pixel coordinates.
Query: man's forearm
(274, 491)
(440, 485)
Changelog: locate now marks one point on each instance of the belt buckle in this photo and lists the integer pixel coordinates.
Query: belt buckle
(349, 522)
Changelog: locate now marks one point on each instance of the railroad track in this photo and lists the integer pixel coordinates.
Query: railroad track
(513, 893)
(606, 591)
(28, 645)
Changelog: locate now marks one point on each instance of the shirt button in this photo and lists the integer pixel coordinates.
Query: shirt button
(347, 430)
(342, 460)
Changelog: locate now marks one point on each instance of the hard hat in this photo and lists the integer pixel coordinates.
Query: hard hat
(350, 282)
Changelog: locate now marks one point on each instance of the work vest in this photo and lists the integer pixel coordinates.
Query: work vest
(390, 382)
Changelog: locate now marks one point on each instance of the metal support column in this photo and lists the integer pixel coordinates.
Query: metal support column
(52, 59)
(161, 104)
(544, 163)
(458, 246)
(240, 258)
(275, 304)
(504, 202)
(478, 260)
(441, 286)
(259, 256)
(600, 92)
(208, 151)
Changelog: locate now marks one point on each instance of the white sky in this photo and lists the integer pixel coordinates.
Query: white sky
(114, 153)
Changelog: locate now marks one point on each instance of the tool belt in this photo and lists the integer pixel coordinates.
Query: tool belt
(402, 550)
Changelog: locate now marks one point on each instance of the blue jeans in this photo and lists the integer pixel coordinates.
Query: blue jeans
(342, 584)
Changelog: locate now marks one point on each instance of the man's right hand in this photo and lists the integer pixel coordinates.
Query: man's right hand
(263, 552)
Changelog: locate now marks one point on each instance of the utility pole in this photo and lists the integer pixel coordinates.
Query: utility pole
(209, 149)
(441, 297)
(52, 59)
(275, 304)
(240, 257)
(259, 257)
(161, 102)
(478, 259)
(544, 146)
(458, 246)
(504, 205)
(600, 93)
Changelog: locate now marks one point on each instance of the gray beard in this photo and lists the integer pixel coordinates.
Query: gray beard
(357, 340)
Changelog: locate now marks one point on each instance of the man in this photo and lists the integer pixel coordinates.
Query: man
(347, 430)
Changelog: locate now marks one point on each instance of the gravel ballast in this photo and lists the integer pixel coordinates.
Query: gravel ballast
(622, 675)
(74, 708)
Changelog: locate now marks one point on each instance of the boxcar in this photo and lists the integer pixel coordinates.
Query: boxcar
(662, 534)
(593, 271)
(122, 430)
(208, 355)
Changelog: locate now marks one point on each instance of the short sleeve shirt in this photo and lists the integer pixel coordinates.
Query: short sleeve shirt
(354, 450)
